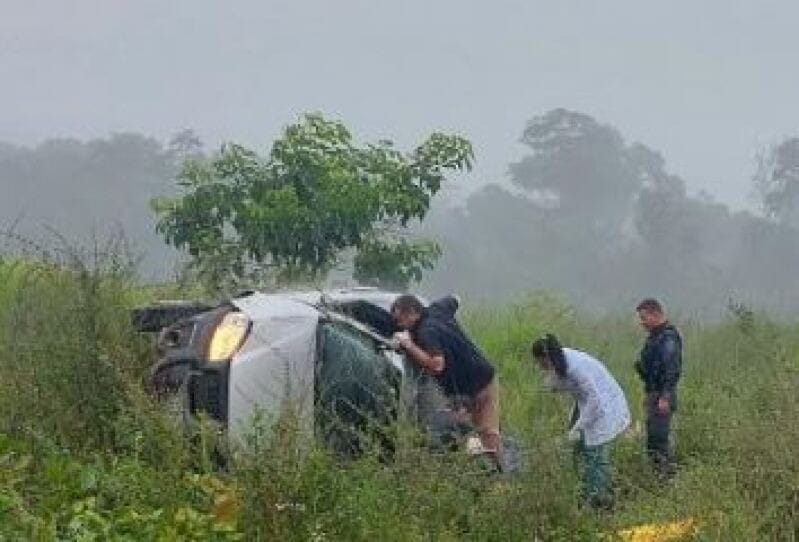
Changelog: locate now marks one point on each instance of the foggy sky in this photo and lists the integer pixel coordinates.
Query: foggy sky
(706, 83)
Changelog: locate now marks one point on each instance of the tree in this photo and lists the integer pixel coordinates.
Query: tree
(580, 162)
(777, 181)
(81, 189)
(394, 264)
(185, 144)
(291, 214)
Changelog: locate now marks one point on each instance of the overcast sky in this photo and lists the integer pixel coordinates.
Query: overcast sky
(705, 82)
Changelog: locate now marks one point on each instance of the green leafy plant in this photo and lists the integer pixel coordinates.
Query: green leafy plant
(290, 215)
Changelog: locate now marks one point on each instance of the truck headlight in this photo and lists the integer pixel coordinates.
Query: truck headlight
(228, 336)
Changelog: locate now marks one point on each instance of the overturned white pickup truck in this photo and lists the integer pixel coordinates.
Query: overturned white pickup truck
(323, 357)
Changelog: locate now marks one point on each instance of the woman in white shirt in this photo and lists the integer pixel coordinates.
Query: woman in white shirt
(600, 412)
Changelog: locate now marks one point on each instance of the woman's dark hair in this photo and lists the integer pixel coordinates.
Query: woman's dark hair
(548, 347)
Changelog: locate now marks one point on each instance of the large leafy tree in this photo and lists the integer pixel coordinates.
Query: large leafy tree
(291, 214)
(580, 165)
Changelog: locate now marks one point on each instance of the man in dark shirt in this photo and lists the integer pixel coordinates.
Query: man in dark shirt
(659, 367)
(438, 345)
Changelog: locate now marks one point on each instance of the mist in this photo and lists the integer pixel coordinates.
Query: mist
(622, 150)
(603, 222)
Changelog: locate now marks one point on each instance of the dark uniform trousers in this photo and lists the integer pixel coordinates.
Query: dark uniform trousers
(658, 429)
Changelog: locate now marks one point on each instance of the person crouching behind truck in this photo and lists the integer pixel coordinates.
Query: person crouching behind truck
(599, 415)
(438, 345)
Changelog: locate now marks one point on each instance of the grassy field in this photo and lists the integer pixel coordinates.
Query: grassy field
(85, 456)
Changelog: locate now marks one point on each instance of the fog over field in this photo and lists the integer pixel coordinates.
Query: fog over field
(621, 149)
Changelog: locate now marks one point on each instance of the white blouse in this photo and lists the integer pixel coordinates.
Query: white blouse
(604, 413)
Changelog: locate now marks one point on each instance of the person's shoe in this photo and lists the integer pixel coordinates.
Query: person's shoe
(605, 504)
(665, 470)
(602, 503)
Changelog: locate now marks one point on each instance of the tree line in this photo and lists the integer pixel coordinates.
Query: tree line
(584, 213)
(603, 221)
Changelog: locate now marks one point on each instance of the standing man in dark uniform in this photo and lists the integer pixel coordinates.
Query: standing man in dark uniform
(438, 345)
(659, 367)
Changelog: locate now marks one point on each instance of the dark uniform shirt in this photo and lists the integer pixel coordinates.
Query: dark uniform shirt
(466, 371)
(660, 363)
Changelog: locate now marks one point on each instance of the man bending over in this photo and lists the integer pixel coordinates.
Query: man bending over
(438, 345)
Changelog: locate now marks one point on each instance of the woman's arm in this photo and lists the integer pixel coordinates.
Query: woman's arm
(557, 384)
(591, 408)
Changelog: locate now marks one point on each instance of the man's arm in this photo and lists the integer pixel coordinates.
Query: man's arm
(670, 362)
(432, 363)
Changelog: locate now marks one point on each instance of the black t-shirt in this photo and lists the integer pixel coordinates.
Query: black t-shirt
(466, 370)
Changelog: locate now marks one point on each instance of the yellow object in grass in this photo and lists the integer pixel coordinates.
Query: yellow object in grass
(660, 532)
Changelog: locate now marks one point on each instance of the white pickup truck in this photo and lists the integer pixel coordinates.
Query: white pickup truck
(323, 357)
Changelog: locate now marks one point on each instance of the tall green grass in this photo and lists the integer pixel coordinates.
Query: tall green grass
(85, 455)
